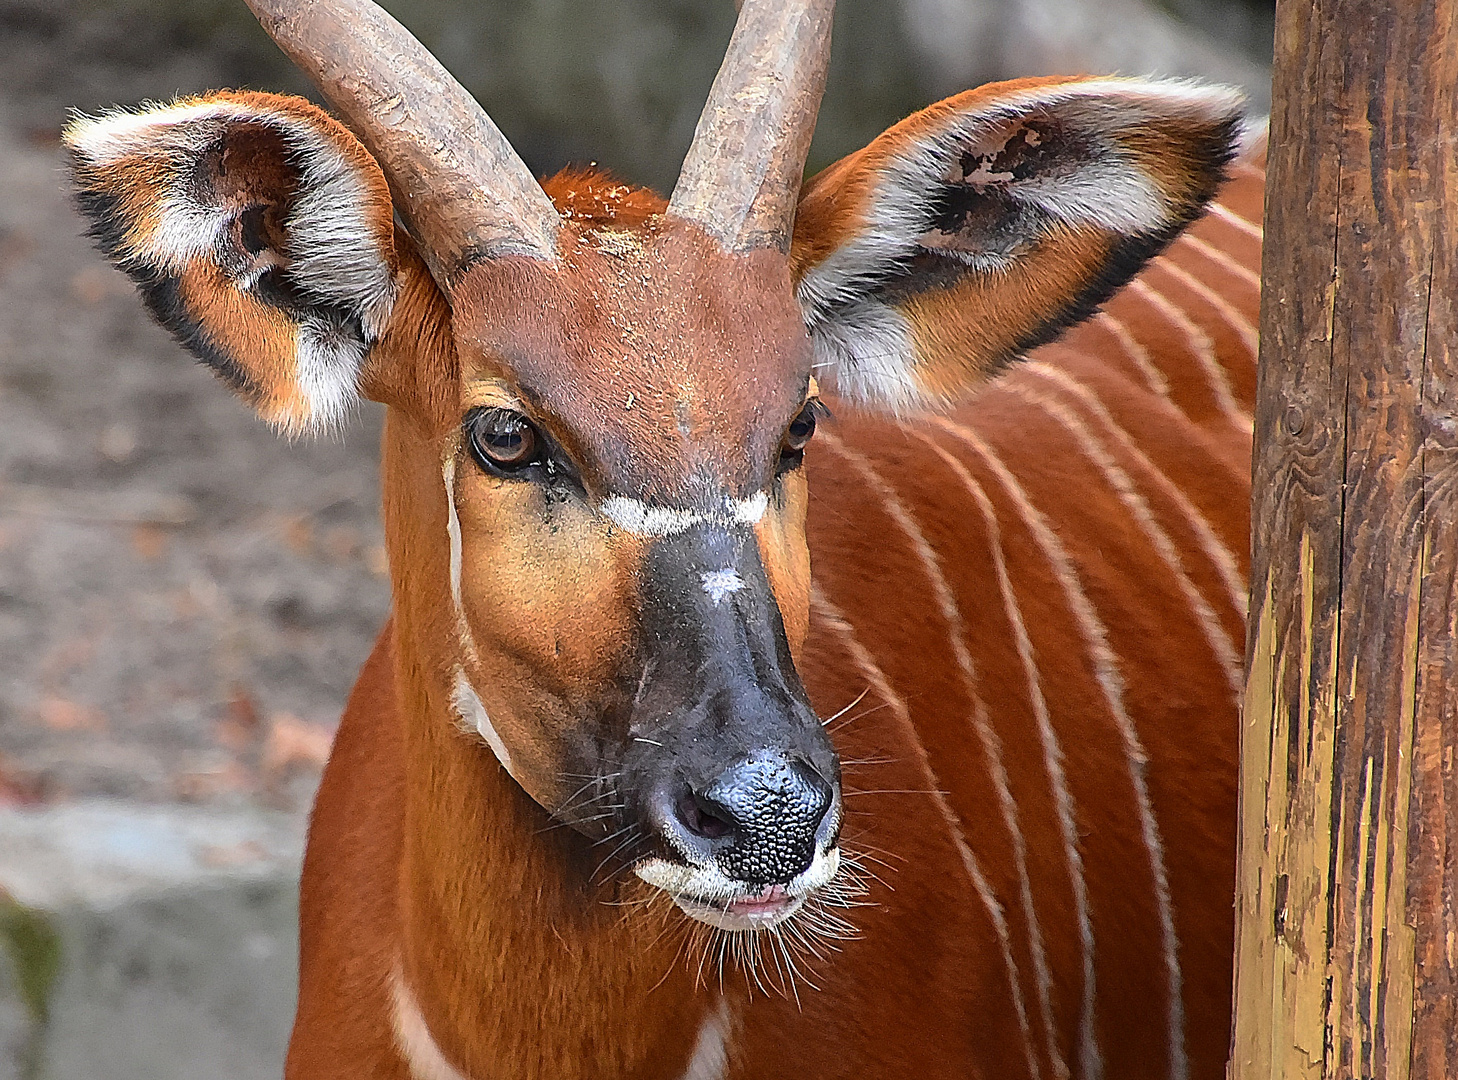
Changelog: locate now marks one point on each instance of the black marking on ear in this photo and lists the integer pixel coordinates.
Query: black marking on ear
(1211, 155)
(104, 222)
(251, 229)
(278, 291)
(1132, 251)
(1002, 225)
(995, 211)
(161, 292)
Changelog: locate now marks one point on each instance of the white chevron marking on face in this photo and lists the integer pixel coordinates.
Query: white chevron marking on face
(637, 517)
(472, 716)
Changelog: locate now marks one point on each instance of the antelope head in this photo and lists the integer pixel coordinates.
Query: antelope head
(595, 505)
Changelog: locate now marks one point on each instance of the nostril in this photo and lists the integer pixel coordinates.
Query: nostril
(769, 807)
(816, 790)
(702, 818)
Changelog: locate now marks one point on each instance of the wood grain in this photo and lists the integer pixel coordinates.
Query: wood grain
(1345, 962)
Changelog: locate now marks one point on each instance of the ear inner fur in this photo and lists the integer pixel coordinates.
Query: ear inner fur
(994, 220)
(260, 232)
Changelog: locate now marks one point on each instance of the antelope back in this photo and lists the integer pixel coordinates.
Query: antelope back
(1055, 731)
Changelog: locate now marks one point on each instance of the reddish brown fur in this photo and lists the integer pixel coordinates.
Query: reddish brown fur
(669, 370)
(922, 992)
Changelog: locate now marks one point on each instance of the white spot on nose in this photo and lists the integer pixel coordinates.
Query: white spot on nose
(720, 583)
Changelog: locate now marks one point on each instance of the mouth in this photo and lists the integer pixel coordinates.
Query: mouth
(705, 893)
(758, 911)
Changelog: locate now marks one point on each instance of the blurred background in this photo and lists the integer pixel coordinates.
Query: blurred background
(184, 598)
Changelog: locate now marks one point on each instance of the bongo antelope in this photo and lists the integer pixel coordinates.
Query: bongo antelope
(710, 737)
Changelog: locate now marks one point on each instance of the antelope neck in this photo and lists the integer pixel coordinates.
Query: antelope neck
(487, 982)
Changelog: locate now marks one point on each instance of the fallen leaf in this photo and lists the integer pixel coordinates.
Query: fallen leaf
(60, 714)
(341, 544)
(203, 784)
(16, 788)
(298, 534)
(240, 726)
(149, 541)
(117, 442)
(377, 560)
(222, 856)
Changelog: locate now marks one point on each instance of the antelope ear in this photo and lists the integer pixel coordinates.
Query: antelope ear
(259, 231)
(988, 223)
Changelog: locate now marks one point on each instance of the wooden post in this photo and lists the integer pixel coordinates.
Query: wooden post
(1347, 903)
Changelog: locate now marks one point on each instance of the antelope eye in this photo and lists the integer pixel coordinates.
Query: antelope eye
(503, 441)
(798, 434)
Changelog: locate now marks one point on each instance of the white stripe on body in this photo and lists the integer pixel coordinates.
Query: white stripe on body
(1136, 353)
(1111, 684)
(1230, 217)
(1090, 1059)
(1242, 326)
(868, 667)
(1223, 559)
(1222, 260)
(987, 736)
(1203, 349)
(1123, 486)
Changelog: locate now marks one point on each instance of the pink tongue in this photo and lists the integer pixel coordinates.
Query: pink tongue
(770, 894)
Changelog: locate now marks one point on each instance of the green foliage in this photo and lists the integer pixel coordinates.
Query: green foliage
(34, 950)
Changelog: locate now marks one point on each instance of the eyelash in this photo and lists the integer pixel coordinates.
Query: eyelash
(482, 423)
(813, 411)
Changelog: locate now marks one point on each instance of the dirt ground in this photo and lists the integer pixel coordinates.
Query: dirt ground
(184, 597)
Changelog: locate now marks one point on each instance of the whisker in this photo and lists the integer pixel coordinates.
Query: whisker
(894, 791)
(609, 812)
(849, 720)
(833, 717)
(850, 763)
(633, 836)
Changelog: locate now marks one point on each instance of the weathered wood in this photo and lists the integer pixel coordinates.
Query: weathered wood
(1345, 963)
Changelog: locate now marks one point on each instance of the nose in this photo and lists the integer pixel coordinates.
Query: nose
(759, 819)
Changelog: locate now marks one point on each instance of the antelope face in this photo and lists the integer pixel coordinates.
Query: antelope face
(629, 563)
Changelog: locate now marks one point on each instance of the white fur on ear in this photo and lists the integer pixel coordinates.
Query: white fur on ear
(140, 179)
(1100, 176)
(868, 350)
